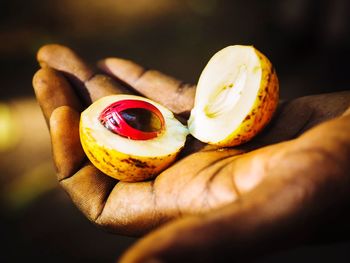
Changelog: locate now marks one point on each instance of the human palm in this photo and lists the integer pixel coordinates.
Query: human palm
(223, 200)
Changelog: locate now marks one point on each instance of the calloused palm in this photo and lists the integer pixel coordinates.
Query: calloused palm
(226, 202)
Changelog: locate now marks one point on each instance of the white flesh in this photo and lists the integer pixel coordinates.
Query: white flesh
(226, 92)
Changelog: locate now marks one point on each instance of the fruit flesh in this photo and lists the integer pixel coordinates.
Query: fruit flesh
(227, 97)
(236, 96)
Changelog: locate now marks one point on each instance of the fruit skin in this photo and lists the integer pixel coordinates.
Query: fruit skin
(121, 166)
(265, 105)
(126, 163)
(262, 110)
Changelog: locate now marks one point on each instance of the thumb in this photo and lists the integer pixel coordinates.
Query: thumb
(191, 239)
(200, 239)
(243, 230)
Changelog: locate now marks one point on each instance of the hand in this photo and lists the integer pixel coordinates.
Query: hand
(228, 203)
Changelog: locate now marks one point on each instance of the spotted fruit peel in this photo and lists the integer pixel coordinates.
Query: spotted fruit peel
(118, 142)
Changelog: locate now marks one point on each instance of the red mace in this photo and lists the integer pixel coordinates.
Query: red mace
(134, 119)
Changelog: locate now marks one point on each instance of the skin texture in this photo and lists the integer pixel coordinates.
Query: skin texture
(287, 186)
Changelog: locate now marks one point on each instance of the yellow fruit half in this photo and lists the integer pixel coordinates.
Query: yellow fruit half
(127, 159)
(236, 96)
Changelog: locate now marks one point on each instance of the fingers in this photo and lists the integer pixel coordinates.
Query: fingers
(166, 90)
(323, 106)
(66, 60)
(52, 90)
(68, 153)
(102, 85)
(88, 86)
(161, 88)
(87, 186)
(295, 117)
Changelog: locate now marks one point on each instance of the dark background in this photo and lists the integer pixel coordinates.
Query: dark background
(308, 41)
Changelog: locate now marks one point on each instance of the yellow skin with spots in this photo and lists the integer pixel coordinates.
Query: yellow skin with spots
(127, 159)
(262, 110)
(124, 167)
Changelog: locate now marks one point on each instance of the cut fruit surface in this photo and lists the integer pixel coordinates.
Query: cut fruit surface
(236, 96)
(125, 158)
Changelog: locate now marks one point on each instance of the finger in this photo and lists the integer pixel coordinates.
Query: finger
(295, 117)
(86, 185)
(102, 85)
(89, 87)
(173, 94)
(66, 60)
(52, 90)
(68, 153)
(323, 107)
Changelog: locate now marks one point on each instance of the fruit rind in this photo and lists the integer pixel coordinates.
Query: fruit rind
(126, 159)
(121, 166)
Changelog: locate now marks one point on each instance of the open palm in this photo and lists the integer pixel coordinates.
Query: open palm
(223, 199)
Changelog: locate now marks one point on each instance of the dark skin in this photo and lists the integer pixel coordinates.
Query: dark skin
(283, 188)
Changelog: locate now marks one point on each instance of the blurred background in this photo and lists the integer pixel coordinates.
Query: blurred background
(308, 41)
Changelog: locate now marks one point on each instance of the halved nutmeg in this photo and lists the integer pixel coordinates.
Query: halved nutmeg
(237, 95)
(130, 138)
